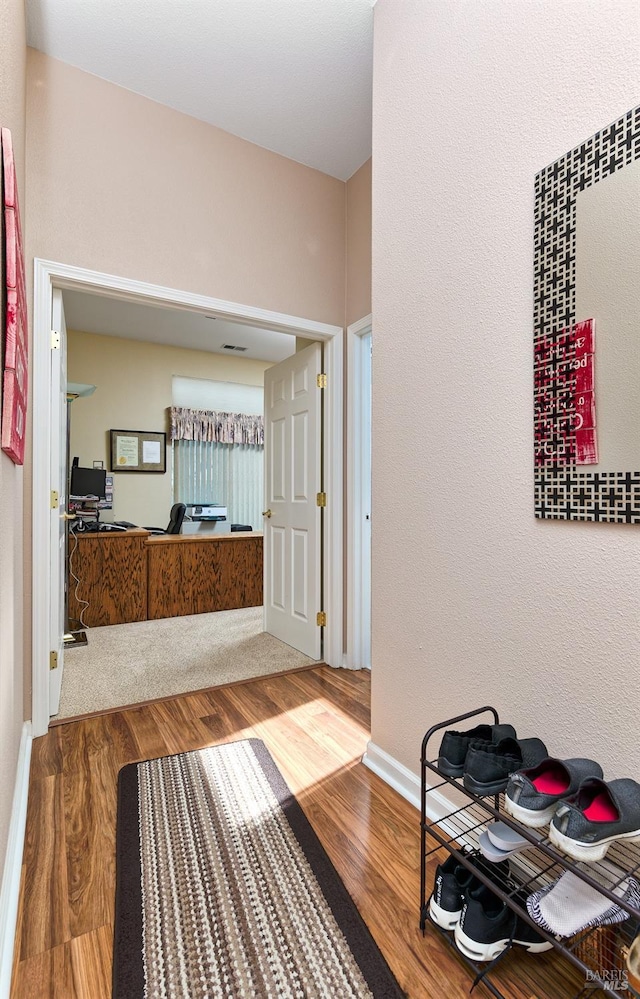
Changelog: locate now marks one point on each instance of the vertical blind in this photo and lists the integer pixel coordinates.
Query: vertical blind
(229, 474)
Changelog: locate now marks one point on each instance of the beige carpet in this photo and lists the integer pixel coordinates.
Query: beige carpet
(128, 663)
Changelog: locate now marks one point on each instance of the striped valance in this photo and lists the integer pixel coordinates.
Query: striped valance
(221, 428)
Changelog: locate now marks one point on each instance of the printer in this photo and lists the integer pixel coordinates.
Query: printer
(206, 511)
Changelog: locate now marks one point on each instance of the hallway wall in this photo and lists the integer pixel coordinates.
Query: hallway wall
(474, 600)
(13, 542)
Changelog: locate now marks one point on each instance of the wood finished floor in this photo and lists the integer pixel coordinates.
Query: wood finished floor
(316, 725)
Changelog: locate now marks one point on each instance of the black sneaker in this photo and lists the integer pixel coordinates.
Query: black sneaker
(454, 745)
(488, 767)
(487, 927)
(451, 883)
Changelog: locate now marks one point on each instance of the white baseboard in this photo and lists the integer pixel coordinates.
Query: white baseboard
(406, 783)
(10, 892)
(393, 773)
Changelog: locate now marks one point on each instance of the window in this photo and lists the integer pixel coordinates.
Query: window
(217, 447)
(229, 474)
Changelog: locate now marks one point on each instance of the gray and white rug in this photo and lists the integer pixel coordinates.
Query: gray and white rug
(128, 663)
(224, 890)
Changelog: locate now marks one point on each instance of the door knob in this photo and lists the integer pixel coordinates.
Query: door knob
(266, 513)
(68, 516)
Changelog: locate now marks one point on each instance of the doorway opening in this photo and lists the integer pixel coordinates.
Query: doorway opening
(49, 276)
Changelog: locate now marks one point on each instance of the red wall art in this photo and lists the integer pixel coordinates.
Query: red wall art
(15, 359)
(565, 411)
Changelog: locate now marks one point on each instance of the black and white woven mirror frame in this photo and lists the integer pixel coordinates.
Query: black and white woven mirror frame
(570, 492)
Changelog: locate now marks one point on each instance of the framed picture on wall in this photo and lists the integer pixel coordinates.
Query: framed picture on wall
(138, 451)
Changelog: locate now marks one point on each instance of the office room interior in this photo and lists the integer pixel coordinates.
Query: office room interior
(382, 252)
(134, 386)
(196, 382)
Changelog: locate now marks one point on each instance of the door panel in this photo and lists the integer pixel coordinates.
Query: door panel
(299, 458)
(292, 534)
(275, 597)
(277, 461)
(299, 584)
(58, 418)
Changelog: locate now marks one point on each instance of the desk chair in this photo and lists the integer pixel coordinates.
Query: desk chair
(176, 517)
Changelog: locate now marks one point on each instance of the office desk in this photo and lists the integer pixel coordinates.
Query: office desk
(112, 569)
(193, 574)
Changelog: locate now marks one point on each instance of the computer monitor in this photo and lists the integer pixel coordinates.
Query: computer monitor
(88, 482)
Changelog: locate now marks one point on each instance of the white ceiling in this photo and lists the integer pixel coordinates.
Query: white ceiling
(293, 76)
(172, 327)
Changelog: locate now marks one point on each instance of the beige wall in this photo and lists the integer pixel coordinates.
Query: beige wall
(121, 184)
(474, 600)
(133, 392)
(124, 185)
(12, 115)
(358, 240)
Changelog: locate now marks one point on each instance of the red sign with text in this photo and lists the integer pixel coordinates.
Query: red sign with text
(565, 409)
(15, 377)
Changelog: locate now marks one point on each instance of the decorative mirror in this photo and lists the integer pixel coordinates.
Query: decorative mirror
(587, 330)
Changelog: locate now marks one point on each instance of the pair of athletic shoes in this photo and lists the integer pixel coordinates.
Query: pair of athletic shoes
(483, 925)
(586, 814)
(486, 756)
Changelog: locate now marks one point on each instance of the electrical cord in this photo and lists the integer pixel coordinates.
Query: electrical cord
(76, 580)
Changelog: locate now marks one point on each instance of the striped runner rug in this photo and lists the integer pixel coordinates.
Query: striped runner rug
(224, 890)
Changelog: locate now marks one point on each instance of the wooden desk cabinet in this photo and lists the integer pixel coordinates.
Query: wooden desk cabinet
(112, 569)
(193, 574)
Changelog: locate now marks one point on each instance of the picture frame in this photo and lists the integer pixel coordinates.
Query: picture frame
(138, 451)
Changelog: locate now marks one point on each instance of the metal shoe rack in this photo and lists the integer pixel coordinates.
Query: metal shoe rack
(453, 818)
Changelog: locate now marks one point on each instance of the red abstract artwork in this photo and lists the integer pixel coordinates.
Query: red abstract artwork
(15, 378)
(565, 410)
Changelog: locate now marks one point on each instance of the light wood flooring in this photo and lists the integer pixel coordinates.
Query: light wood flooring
(316, 725)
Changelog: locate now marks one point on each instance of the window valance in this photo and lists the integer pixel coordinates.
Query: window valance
(221, 428)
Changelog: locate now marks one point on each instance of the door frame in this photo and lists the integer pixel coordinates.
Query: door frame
(49, 274)
(358, 566)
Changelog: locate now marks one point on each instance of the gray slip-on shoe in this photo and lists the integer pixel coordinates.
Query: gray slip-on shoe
(585, 826)
(533, 794)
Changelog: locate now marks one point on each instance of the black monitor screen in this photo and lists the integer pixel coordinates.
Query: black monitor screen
(88, 482)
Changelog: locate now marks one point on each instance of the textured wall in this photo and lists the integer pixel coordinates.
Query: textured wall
(125, 400)
(121, 184)
(474, 600)
(12, 115)
(358, 236)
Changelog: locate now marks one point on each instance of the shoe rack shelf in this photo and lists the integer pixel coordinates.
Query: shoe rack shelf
(453, 818)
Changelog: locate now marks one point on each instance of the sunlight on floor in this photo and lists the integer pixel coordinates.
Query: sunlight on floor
(292, 738)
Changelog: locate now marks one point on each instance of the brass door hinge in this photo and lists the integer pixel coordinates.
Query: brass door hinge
(321, 381)
(53, 660)
(55, 499)
(55, 340)
(321, 499)
(321, 619)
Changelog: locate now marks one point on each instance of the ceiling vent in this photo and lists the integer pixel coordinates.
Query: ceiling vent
(232, 346)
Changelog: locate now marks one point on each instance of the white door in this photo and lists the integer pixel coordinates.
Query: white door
(365, 512)
(359, 495)
(58, 424)
(292, 521)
